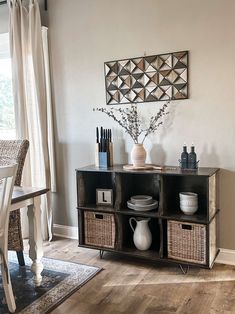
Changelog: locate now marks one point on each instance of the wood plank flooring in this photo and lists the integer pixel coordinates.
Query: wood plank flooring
(127, 285)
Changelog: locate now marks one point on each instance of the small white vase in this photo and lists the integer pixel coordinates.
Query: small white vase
(142, 236)
(138, 155)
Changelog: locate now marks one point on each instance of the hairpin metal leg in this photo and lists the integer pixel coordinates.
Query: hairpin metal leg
(184, 270)
(101, 254)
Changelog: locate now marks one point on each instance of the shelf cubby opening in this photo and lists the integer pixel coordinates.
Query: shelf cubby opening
(97, 229)
(138, 184)
(127, 243)
(173, 185)
(88, 182)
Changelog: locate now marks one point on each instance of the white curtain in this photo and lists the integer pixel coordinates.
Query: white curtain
(32, 99)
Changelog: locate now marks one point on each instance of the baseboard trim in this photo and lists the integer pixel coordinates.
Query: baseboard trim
(65, 231)
(226, 257)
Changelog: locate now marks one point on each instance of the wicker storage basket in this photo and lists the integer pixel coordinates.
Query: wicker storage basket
(99, 229)
(186, 241)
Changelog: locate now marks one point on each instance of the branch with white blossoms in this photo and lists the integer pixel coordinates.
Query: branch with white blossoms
(131, 122)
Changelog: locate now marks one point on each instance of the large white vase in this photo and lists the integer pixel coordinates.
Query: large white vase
(138, 155)
(142, 236)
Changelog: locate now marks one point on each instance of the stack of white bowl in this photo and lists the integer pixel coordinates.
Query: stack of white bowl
(188, 202)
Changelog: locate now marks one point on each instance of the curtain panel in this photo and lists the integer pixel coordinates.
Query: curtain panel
(32, 99)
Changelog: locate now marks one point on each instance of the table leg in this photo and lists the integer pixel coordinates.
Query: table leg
(35, 239)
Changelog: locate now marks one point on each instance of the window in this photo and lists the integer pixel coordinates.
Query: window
(7, 115)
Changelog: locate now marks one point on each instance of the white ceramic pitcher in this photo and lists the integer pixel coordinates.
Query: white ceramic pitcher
(142, 236)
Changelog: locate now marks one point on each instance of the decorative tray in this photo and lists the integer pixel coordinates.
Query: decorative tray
(145, 167)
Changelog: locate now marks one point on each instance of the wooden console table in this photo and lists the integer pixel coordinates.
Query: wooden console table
(176, 237)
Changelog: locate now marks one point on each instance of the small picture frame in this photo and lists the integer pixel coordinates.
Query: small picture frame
(104, 197)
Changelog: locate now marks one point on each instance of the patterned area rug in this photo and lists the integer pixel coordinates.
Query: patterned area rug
(60, 280)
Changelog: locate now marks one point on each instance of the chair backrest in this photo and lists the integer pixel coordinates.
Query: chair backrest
(7, 179)
(14, 151)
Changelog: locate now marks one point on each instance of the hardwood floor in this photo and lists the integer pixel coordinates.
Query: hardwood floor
(135, 286)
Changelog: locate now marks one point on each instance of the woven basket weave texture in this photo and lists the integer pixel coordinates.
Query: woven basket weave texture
(186, 241)
(14, 151)
(99, 229)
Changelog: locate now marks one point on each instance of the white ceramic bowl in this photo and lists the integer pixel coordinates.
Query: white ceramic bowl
(187, 195)
(141, 199)
(189, 202)
(188, 210)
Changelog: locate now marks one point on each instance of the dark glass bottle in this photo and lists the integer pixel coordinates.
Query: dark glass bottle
(184, 158)
(192, 159)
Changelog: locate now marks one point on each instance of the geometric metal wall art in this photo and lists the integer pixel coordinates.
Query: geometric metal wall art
(144, 79)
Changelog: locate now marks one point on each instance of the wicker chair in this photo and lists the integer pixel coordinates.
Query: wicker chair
(14, 151)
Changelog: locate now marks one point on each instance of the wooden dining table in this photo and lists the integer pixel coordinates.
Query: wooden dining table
(30, 199)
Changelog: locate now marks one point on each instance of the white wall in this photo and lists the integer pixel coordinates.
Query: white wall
(85, 34)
